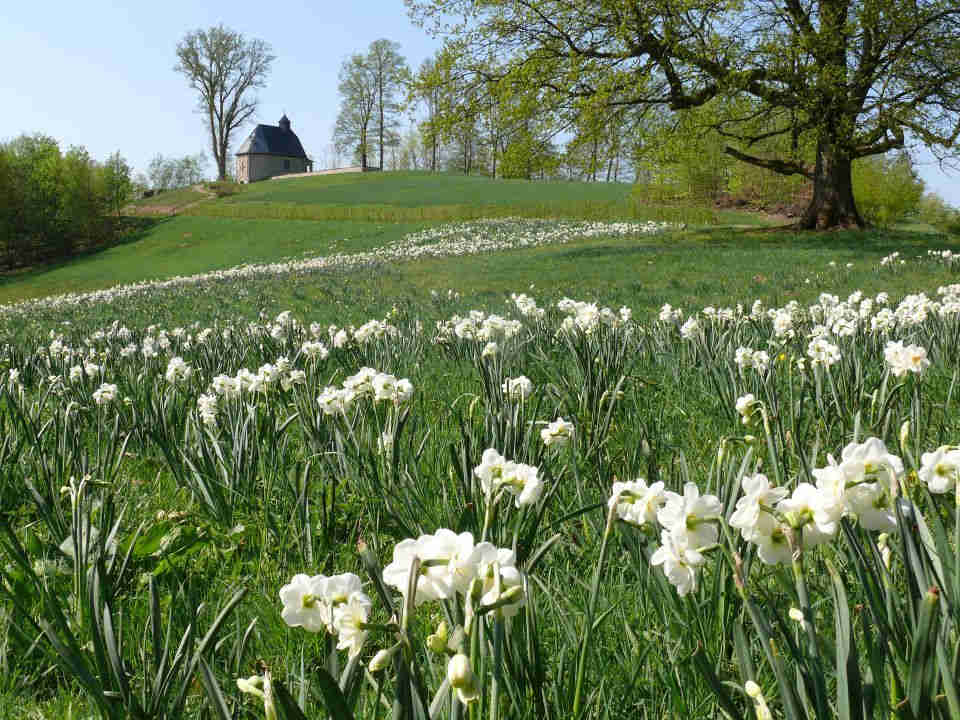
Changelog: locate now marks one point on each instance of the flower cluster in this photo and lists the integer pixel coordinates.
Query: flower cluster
(587, 317)
(558, 433)
(335, 604)
(452, 564)
(777, 521)
(496, 473)
(518, 388)
(367, 382)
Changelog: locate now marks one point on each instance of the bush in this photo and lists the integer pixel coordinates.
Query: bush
(886, 188)
(934, 210)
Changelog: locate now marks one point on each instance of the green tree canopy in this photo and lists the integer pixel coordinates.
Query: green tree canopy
(848, 78)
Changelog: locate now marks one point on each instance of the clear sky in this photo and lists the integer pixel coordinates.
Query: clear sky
(100, 74)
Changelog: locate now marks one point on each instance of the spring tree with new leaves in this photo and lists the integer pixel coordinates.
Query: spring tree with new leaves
(849, 78)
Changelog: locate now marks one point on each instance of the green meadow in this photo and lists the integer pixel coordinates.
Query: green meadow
(184, 470)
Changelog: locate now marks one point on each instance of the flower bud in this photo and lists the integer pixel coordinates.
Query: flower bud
(382, 659)
(760, 706)
(904, 433)
(438, 641)
(461, 678)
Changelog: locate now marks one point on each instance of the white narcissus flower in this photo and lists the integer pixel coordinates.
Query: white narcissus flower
(940, 469)
(523, 482)
(558, 433)
(104, 394)
(502, 581)
(870, 461)
(822, 352)
(441, 556)
(518, 388)
(773, 547)
(384, 386)
(902, 359)
(490, 471)
(691, 515)
(873, 506)
(303, 604)
(679, 561)
(178, 370)
(747, 406)
(752, 516)
(207, 407)
(336, 604)
(808, 508)
(637, 503)
(690, 329)
(315, 350)
(349, 618)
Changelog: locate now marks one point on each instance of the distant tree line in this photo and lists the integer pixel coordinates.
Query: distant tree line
(442, 119)
(55, 204)
(169, 173)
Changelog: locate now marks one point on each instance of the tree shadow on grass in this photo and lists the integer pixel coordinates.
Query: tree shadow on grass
(872, 242)
(131, 230)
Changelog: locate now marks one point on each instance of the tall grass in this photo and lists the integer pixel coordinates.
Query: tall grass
(584, 210)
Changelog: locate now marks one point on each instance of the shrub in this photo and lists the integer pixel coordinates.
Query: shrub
(886, 188)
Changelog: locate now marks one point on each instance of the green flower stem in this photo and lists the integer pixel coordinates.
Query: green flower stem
(591, 610)
(497, 668)
(795, 539)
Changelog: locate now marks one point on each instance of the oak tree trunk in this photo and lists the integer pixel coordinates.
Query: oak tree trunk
(832, 204)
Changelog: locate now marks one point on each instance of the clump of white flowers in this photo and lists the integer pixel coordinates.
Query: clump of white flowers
(863, 485)
(748, 359)
(902, 359)
(559, 433)
(823, 353)
(586, 317)
(518, 388)
(527, 306)
(106, 393)
(335, 604)
(496, 473)
(452, 564)
(178, 371)
(366, 382)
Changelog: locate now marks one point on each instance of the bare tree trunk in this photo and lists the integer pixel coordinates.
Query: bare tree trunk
(380, 91)
(833, 204)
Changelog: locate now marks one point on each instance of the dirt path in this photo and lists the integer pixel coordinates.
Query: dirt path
(171, 209)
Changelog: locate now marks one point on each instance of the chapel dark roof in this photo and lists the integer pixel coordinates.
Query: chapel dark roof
(273, 140)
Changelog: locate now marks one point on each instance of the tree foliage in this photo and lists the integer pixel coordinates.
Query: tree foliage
(390, 77)
(54, 204)
(117, 182)
(372, 89)
(225, 69)
(358, 103)
(166, 173)
(847, 78)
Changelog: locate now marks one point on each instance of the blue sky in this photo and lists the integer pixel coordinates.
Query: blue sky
(100, 74)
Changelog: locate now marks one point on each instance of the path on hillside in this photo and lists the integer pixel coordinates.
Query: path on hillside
(172, 209)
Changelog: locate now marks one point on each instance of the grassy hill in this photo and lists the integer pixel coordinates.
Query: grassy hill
(418, 189)
(423, 196)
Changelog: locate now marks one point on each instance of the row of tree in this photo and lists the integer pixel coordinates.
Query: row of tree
(454, 124)
(800, 88)
(55, 204)
(167, 173)
(804, 89)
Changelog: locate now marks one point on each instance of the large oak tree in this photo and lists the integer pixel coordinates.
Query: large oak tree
(225, 69)
(846, 78)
